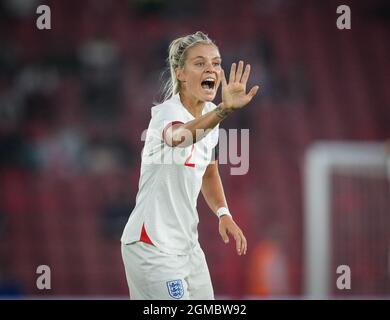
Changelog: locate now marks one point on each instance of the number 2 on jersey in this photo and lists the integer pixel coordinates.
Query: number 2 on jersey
(188, 163)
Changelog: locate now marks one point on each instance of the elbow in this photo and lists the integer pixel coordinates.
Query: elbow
(181, 139)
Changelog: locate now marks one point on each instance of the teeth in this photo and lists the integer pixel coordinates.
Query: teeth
(208, 83)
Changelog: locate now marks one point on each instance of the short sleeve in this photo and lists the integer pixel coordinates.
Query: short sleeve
(167, 116)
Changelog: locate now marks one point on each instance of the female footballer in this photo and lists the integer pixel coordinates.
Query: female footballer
(160, 248)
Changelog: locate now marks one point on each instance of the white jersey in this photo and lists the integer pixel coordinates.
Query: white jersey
(170, 182)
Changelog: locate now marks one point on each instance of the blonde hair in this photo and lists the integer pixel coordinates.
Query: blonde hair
(176, 59)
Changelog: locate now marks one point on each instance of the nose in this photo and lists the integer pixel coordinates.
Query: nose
(209, 68)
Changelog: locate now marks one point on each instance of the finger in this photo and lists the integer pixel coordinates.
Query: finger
(232, 76)
(224, 236)
(239, 71)
(224, 83)
(238, 243)
(244, 244)
(245, 76)
(253, 92)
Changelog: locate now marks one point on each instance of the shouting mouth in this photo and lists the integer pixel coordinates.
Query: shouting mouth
(208, 85)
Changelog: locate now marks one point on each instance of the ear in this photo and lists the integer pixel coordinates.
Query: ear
(180, 74)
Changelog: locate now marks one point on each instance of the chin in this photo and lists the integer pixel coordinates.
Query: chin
(208, 97)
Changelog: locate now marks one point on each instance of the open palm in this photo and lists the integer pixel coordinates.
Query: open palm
(234, 94)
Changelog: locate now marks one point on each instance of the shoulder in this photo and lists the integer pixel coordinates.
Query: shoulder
(166, 109)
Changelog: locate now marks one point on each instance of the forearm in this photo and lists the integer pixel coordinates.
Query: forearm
(212, 190)
(188, 133)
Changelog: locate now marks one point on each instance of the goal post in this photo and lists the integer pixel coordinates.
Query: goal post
(323, 161)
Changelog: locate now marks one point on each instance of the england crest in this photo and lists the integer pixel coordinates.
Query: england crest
(175, 288)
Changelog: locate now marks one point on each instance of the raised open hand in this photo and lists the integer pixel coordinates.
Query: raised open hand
(234, 94)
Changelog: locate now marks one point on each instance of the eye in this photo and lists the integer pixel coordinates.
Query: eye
(216, 64)
(200, 64)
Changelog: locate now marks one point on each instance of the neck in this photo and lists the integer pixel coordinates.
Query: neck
(193, 105)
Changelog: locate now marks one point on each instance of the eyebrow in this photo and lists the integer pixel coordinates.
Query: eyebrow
(217, 57)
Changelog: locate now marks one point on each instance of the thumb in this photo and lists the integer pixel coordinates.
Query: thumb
(253, 92)
(224, 235)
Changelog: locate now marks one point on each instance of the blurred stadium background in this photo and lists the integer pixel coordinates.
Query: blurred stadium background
(75, 99)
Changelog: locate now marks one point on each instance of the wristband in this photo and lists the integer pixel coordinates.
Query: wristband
(223, 211)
